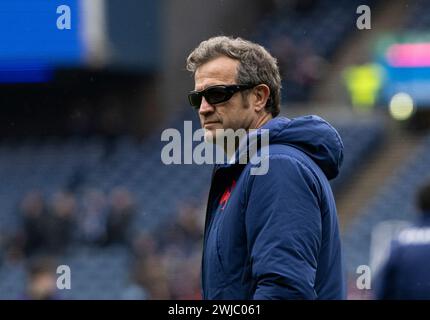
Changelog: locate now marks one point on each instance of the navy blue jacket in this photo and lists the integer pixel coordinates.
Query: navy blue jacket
(276, 236)
(406, 274)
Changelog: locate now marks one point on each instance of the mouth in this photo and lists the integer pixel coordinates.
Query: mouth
(210, 123)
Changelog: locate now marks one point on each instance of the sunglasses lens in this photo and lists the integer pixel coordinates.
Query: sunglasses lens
(217, 95)
(195, 99)
(213, 95)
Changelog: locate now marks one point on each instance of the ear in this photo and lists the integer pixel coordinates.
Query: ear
(261, 94)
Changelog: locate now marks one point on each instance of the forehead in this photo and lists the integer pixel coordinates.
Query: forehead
(221, 70)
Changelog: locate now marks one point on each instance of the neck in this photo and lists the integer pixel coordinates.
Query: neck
(260, 121)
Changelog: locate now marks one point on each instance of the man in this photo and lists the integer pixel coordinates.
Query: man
(405, 274)
(275, 235)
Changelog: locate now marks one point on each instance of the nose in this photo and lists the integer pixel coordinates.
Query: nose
(205, 107)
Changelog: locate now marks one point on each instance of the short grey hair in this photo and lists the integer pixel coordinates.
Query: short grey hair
(256, 64)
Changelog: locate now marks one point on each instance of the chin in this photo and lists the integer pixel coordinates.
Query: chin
(209, 136)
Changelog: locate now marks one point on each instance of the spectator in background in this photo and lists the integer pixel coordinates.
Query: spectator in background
(121, 213)
(34, 211)
(184, 277)
(41, 280)
(186, 231)
(144, 245)
(177, 257)
(150, 274)
(363, 82)
(47, 228)
(190, 224)
(77, 179)
(299, 65)
(285, 49)
(92, 223)
(60, 222)
(310, 66)
(406, 274)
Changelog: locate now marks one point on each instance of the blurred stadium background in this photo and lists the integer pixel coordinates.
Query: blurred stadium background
(82, 110)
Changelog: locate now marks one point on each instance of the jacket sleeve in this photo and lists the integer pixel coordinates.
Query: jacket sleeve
(283, 226)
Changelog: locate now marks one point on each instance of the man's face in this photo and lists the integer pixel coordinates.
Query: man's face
(234, 113)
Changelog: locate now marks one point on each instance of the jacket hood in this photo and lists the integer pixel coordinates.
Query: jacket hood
(312, 135)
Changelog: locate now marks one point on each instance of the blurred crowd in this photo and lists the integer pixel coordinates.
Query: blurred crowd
(168, 263)
(301, 67)
(165, 262)
(51, 226)
(300, 64)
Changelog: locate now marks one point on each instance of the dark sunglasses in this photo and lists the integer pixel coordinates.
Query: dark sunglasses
(216, 94)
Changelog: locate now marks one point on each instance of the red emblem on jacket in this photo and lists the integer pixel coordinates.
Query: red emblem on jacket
(226, 195)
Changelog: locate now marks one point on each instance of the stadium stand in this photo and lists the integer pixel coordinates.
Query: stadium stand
(418, 19)
(360, 140)
(303, 50)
